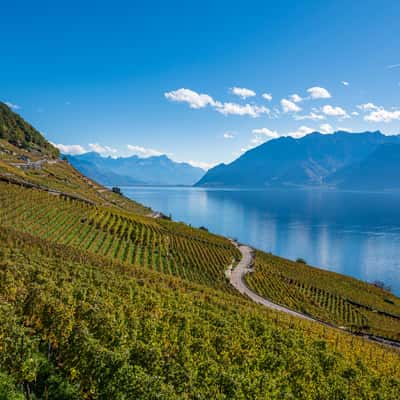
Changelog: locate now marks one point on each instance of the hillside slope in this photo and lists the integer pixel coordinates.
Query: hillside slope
(296, 162)
(379, 171)
(75, 326)
(17, 131)
(100, 301)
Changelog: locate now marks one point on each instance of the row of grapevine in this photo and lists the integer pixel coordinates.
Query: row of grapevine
(166, 247)
(72, 327)
(326, 296)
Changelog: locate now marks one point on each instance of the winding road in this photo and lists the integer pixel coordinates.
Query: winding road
(236, 278)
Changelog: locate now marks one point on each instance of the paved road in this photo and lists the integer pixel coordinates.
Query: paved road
(236, 277)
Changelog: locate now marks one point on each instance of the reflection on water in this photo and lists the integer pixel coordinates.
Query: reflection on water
(353, 233)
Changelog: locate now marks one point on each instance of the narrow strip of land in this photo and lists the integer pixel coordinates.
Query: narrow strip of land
(236, 278)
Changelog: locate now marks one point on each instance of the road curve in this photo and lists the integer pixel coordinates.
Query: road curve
(236, 278)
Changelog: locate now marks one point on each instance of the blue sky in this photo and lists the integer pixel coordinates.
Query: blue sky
(187, 78)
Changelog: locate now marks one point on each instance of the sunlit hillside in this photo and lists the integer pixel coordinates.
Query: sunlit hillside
(100, 300)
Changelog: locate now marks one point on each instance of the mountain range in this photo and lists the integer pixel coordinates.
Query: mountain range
(362, 161)
(134, 170)
(355, 161)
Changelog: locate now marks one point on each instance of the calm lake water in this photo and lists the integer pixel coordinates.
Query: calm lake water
(356, 234)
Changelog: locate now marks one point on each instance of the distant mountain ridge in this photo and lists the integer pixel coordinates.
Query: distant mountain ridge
(379, 171)
(134, 170)
(312, 160)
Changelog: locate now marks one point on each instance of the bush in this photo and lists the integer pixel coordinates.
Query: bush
(117, 190)
(382, 285)
(8, 390)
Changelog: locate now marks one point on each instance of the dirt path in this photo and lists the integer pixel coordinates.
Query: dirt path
(236, 278)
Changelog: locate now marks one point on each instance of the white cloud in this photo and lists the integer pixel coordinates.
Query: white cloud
(302, 131)
(203, 165)
(265, 132)
(317, 92)
(260, 136)
(267, 96)
(228, 135)
(289, 106)
(393, 66)
(367, 107)
(143, 151)
(326, 128)
(243, 92)
(355, 113)
(194, 99)
(334, 111)
(238, 109)
(343, 129)
(103, 150)
(296, 98)
(382, 115)
(312, 116)
(247, 148)
(257, 140)
(345, 83)
(13, 106)
(72, 149)
(378, 114)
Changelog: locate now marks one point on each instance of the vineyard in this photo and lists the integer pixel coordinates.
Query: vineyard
(58, 175)
(331, 297)
(100, 301)
(167, 247)
(79, 326)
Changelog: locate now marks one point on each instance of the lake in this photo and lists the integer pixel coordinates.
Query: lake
(353, 233)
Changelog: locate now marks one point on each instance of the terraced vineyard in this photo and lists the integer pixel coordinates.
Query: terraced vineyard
(331, 297)
(98, 301)
(77, 326)
(58, 175)
(170, 248)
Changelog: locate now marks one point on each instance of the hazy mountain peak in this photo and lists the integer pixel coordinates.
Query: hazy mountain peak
(132, 170)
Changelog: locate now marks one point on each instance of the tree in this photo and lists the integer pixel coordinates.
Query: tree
(117, 190)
